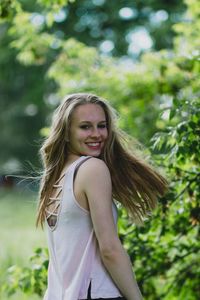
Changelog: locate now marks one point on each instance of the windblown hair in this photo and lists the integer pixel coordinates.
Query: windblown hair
(136, 184)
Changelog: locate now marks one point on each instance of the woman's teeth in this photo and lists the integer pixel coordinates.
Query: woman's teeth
(93, 144)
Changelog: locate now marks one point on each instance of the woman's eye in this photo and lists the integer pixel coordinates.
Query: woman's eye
(85, 126)
(102, 126)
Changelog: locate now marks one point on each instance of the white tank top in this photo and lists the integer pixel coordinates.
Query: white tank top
(73, 249)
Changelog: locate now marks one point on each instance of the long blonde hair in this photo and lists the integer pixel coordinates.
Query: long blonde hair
(136, 185)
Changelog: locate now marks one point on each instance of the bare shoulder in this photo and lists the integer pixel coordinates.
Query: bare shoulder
(94, 166)
(95, 182)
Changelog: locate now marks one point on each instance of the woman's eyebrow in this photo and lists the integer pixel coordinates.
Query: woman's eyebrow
(103, 121)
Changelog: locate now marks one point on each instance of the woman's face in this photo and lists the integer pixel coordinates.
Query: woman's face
(88, 130)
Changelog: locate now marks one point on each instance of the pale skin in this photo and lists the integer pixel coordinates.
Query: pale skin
(93, 191)
(94, 176)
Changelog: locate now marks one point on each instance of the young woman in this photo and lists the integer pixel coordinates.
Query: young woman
(86, 168)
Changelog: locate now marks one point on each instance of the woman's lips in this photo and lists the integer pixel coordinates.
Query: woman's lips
(94, 145)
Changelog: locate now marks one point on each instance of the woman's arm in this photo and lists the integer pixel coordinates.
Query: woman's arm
(95, 181)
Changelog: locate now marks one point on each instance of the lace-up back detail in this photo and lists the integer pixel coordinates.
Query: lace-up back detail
(53, 207)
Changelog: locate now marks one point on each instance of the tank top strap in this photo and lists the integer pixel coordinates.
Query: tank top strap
(78, 163)
(72, 171)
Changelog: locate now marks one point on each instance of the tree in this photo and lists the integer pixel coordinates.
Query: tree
(168, 247)
(95, 21)
(34, 34)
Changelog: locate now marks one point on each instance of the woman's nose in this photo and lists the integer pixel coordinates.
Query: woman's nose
(95, 132)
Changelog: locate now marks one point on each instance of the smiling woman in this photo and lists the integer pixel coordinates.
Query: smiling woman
(86, 167)
(88, 131)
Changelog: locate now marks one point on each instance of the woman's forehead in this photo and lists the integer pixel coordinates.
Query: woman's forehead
(88, 112)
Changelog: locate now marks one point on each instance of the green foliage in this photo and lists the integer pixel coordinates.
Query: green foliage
(169, 244)
(32, 44)
(8, 8)
(54, 5)
(18, 233)
(166, 252)
(30, 280)
(93, 22)
(50, 3)
(162, 93)
(190, 41)
(34, 41)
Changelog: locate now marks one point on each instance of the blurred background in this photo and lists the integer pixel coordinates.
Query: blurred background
(144, 57)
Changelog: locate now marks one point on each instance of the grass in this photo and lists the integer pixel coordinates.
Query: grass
(18, 234)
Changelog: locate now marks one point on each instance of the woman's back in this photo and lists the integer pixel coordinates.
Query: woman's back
(74, 254)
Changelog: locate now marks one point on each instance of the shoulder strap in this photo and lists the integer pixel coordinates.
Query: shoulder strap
(72, 171)
(79, 163)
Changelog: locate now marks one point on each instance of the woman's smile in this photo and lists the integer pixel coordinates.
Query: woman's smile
(94, 146)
